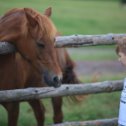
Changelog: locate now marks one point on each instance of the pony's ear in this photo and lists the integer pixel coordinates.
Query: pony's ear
(30, 16)
(48, 12)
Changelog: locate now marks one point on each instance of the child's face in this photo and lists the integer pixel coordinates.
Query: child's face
(122, 58)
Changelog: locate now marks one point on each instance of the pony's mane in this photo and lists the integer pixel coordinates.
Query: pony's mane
(47, 26)
(17, 18)
(12, 23)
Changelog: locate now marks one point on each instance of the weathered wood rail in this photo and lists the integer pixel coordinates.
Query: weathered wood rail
(64, 90)
(87, 40)
(99, 122)
(73, 41)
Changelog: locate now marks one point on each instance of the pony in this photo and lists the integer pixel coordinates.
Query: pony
(69, 76)
(35, 62)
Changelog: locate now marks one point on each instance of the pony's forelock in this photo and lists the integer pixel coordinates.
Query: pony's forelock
(47, 26)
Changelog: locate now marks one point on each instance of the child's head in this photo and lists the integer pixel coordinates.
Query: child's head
(121, 50)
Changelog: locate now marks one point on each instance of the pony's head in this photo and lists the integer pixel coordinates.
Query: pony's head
(33, 34)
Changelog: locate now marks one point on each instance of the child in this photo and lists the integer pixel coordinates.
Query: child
(121, 52)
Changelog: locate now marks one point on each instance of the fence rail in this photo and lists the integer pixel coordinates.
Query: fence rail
(99, 122)
(72, 41)
(87, 40)
(64, 90)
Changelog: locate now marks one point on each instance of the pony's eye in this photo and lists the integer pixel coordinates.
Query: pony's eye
(40, 44)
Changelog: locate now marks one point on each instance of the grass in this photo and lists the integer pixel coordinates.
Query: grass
(100, 77)
(94, 53)
(87, 110)
(78, 17)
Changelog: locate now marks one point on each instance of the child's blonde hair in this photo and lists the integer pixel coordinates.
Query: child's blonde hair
(121, 45)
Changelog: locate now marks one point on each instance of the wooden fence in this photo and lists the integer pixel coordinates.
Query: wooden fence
(73, 41)
(64, 90)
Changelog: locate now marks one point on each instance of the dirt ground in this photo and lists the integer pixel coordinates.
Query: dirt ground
(99, 67)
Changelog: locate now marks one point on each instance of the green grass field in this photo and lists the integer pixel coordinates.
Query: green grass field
(78, 17)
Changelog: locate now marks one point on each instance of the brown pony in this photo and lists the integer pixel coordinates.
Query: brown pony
(69, 77)
(35, 62)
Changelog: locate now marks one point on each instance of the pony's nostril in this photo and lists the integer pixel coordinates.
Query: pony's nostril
(56, 79)
(56, 82)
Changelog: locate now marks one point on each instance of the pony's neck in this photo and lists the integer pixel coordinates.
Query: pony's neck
(7, 68)
(7, 60)
(7, 64)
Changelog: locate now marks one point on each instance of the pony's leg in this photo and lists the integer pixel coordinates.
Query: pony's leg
(57, 108)
(39, 111)
(13, 112)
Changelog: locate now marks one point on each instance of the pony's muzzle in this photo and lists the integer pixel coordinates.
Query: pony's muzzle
(52, 80)
(56, 81)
